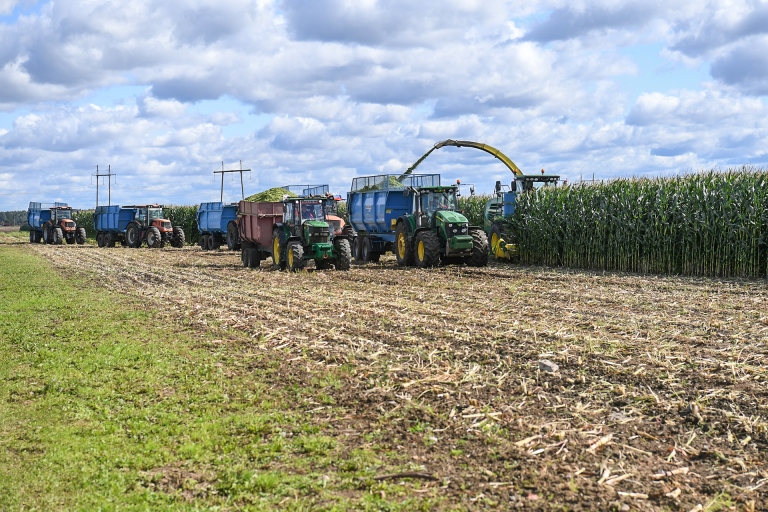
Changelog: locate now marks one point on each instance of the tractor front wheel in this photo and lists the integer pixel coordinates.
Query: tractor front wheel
(80, 236)
(344, 252)
(277, 259)
(154, 238)
(295, 256)
(403, 250)
(427, 249)
(178, 239)
(479, 256)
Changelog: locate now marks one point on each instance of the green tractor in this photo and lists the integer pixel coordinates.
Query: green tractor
(435, 232)
(305, 234)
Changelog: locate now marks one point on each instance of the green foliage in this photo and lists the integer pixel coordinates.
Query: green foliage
(13, 218)
(473, 208)
(707, 224)
(186, 218)
(271, 195)
(84, 219)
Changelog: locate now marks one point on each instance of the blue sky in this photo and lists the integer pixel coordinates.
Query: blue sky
(324, 91)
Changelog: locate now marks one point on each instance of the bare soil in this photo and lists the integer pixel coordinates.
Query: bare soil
(659, 402)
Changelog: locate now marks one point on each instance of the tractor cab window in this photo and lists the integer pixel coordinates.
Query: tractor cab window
(142, 214)
(62, 214)
(288, 211)
(433, 201)
(312, 210)
(155, 213)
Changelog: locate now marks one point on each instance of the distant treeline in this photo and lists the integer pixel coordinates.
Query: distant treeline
(16, 218)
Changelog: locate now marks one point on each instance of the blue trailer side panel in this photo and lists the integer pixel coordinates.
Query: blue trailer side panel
(113, 218)
(215, 216)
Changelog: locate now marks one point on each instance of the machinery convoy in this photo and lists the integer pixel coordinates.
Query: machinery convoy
(412, 215)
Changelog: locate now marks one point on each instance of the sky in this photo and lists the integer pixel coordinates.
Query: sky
(321, 91)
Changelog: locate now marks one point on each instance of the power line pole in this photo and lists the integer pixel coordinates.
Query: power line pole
(107, 175)
(223, 172)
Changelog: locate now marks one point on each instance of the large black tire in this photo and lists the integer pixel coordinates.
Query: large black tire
(344, 252)
(365, 249)
(210, 243)
(479, 256)
(133, 236)
(178, 238)
(294, 255)
(204, 242)
(403, 249)
(254, 258)
(233, 238)
(357, 249)
(427, 249)
(244, 257)
(80, 236)
(109, 240)
(58, 236)
(31, 237)
(154, 238)
(278, 261)
(47, 235)
(100, 239)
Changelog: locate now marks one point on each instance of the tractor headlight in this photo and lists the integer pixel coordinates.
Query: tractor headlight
(464, 230)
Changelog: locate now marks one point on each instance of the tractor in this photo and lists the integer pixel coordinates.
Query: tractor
(305, 234)
(150, 226)
(54, 225)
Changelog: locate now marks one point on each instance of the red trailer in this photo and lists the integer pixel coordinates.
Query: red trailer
(255, 224)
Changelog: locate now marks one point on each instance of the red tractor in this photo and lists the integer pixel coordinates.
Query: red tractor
(150, 225)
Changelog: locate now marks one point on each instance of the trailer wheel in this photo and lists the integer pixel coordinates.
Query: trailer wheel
(357, 252)
(479, 257)
(254, 258)
(133, 236)
(345, 254)
(31, 237)
(47, 233)
(403, 250)
(277, 259)
(365, 249)
(294, 255)
(178, 239)
(244, 257)
(233, 241)
(210, 243)
(109, 240)
(58, 236)
(80, 236)
(204, 242)
(100, 239)
(154, 238)
(427, 249)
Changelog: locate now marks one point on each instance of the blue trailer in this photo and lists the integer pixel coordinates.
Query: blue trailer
(53, 224)
(133, 225)
(217, 224)
(414, 216)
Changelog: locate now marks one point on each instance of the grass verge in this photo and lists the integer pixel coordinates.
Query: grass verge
(106, 403)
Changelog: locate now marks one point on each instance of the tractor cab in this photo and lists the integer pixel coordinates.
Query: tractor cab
(305, 217)
(433, 205)
(152, 215)
(61, 213)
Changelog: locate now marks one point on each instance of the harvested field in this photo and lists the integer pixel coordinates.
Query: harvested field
(660, 401)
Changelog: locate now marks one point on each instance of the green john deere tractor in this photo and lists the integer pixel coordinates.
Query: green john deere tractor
(436, 232)
(305, 234)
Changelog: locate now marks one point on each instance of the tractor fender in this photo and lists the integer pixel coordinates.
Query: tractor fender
(410, 225)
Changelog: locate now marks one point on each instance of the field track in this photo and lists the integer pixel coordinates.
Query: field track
(660, 401)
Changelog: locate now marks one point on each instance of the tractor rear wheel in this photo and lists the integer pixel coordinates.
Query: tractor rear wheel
(233, 238)
(344, 252)
(294, 255)
(427, 249)
(479, 256)
(133, 236)
(178, 239)
(80, 236)
(58, 236)
(154, 238)
(277, 258)
(403, 250)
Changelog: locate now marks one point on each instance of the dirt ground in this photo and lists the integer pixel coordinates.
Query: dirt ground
(513, 387)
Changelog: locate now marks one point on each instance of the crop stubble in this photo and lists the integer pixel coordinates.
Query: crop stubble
(660, 400)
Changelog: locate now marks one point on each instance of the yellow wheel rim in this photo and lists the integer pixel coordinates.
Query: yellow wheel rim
(276, 250)
(421, 250)
(289, 255)
(401, 245)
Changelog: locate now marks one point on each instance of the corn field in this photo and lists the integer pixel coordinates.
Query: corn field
(708, 224)
(473, 208)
